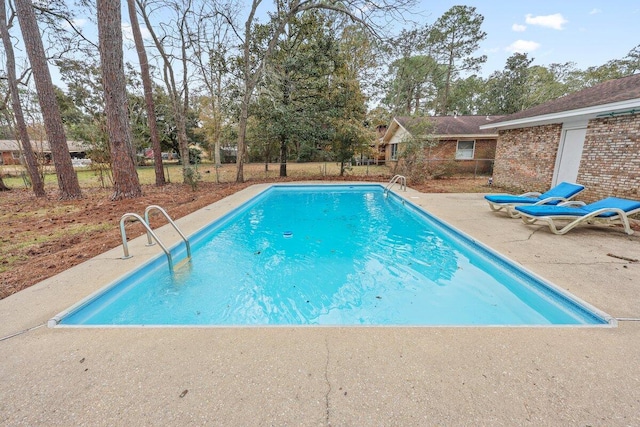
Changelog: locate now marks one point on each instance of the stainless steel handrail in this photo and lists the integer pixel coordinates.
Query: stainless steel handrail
(394, 180)
(166, 215)
(150, 233)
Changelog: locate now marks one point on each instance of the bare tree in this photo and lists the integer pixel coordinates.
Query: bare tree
(125, 177)
(148, 93)
(21, 127)
(67, 178)
(178, 88)
(211, 49)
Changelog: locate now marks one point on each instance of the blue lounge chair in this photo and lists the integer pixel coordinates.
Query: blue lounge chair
(560, 193)
(611, 210)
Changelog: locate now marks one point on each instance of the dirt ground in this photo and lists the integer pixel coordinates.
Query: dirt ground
(42, 237)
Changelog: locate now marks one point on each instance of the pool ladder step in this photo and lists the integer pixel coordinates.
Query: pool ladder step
(397, 179)
(151, 236)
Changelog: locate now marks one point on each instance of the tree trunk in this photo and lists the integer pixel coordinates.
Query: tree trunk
(242, 134)
(183, 142)
(447, 86)
(249, 85)
(179, 108)
(217, 123)
(182, 122)
(283, 155)
(67, 178)
(125, 177)
(148, 94)
(3, 187)
(21, 126)
(286, 102)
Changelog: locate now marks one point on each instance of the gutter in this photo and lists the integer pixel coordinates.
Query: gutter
(559, 117)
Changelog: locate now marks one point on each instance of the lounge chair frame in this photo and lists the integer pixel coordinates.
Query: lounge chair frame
(509, 208)
(620, 217)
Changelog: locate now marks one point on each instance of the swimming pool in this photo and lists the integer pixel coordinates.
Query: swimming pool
(331, 255)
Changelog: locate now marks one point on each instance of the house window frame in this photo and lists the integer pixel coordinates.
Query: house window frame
(461, 151)
(394, 151)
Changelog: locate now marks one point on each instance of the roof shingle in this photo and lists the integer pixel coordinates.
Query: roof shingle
(450, 125)
(608, 92)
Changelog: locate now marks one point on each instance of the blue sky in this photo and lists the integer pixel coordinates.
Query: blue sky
(587, 32)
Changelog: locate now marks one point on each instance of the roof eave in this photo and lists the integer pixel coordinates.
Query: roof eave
(587, 113)
(392, 129)
(467, 135)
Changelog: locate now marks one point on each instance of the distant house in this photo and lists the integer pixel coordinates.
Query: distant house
(11, 151)
(457, 139)
(378, 148)
(591, 137)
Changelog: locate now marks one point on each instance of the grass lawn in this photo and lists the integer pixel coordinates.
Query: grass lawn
(12, 175)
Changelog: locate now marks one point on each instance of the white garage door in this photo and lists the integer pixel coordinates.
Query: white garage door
(569, 154)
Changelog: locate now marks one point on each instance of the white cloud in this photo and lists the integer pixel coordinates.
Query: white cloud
(555, 21)
(518, 28)
(595, 12)
(522, 46)
(127, 32)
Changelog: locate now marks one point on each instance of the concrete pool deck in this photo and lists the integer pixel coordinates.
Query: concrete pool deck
(337, 376)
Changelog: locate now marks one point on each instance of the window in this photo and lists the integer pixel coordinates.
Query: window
(394, 151)
(465, 150)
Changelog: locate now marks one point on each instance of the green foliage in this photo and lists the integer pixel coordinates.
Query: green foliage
(310, 102)
(192, 177)
(443, 170)
(348, 133)
(378, 116)
(466, 97)
(507, 90)
(195, 156)
(425, 76)
(82, 106)
(544, 84)
(290, 113)
(416, 82)
(310, 153)
(454, 37)
(165, 121)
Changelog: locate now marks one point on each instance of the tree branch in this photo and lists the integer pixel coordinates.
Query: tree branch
(67, 20)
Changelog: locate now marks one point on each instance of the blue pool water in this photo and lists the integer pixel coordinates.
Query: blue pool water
(332, 255)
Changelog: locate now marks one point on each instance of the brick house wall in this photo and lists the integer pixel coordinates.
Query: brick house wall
(526, 157)
(484, 155)
(610, 163)
(7, 158)
(445, 151)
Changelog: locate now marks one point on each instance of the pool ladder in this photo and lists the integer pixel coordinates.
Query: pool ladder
(150, 234)
(397, 179)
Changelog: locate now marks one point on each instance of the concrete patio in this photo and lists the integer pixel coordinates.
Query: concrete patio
(340, 376)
